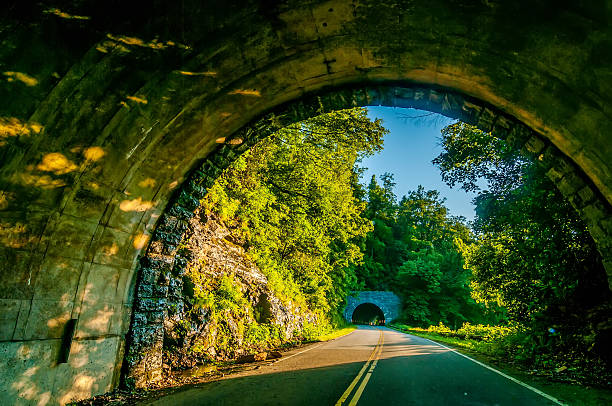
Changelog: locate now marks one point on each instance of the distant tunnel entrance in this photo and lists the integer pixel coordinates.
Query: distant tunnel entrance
(368, 313)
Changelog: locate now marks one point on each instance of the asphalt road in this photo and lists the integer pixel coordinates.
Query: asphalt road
(370, 366)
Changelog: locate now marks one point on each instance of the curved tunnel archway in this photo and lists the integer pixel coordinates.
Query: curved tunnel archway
(368, 313)
(97, 141)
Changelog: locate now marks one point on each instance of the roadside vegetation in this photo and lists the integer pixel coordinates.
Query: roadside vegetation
(291, 203)
(523, 282)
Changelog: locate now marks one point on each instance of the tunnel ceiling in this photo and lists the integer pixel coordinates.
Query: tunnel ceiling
(106, 108)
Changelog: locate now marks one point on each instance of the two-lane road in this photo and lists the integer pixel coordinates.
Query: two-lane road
(370, 366)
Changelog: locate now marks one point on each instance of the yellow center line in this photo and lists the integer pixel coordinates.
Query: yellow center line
(348, 390)
(368, 375)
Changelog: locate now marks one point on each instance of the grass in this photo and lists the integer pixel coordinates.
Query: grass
(336, 333)
(457, 342)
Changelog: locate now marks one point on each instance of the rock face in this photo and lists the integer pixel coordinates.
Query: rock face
(226, 309)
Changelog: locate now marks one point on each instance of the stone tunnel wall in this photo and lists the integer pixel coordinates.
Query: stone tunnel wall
(388, 302)
(105, 114)
(161, 268)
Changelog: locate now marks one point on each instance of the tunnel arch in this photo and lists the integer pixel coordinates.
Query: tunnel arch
(389, 304)
(368, 313)
(118, 121)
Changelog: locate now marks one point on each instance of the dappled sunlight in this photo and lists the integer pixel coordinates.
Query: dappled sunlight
(93, 154)
(247, 92)
(110, 250)
(39, 379)
(58, 321)
(135, 205)
(57, 163)
(67, 16)
(21, 77)
(29, 391)
(233, 141)
(31, 371)
(81, 384)
(15, 235)
(122, 43)
(137, 99)
(140, 241)
(5, 198)
(41, 181)
(411, 350)
(101, 320)
(147, 183)
(207, 73)
(13, 127)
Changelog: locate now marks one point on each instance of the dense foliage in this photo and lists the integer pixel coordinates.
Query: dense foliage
(413, 250)
(527, 263)
(290, 201)
(532, 254)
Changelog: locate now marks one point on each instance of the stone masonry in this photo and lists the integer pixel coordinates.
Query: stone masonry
(388, 302)
(114, 117)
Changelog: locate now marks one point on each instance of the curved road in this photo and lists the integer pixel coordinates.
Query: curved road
(370, 366)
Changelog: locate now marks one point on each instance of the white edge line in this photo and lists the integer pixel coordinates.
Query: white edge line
(531, 388)
(298, 353)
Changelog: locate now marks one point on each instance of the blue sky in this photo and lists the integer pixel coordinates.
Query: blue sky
(408, 151)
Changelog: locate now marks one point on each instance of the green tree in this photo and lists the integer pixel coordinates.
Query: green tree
(532, 253)
(291, 202)
(413, 251)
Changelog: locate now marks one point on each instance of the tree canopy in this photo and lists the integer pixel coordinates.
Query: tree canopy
(291, 200)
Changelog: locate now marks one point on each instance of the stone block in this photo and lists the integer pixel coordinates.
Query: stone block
(585, 195)
(151, 304)
(103, 285)
(91, 369)
(535, 144)
(470, 112)
(403, 97)
(486, 120)
(169, 224)
(18, 271)
(98, 319)
(145, 291)
(518, 136)
(180, 212)
(168, 239)
(89, 201)
(111, 247)
(58, 279)
(66, 239)
(145, 183)
(502, 127)
(9, 313)
(570, 184)
(149, 275)
(594, 212)
(452, 105)
(127, 212)
(160, 291)
(22, 230)
(28, 372)
(47, 319)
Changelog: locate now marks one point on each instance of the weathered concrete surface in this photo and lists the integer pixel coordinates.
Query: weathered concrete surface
(388, 302)
(105, 107)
